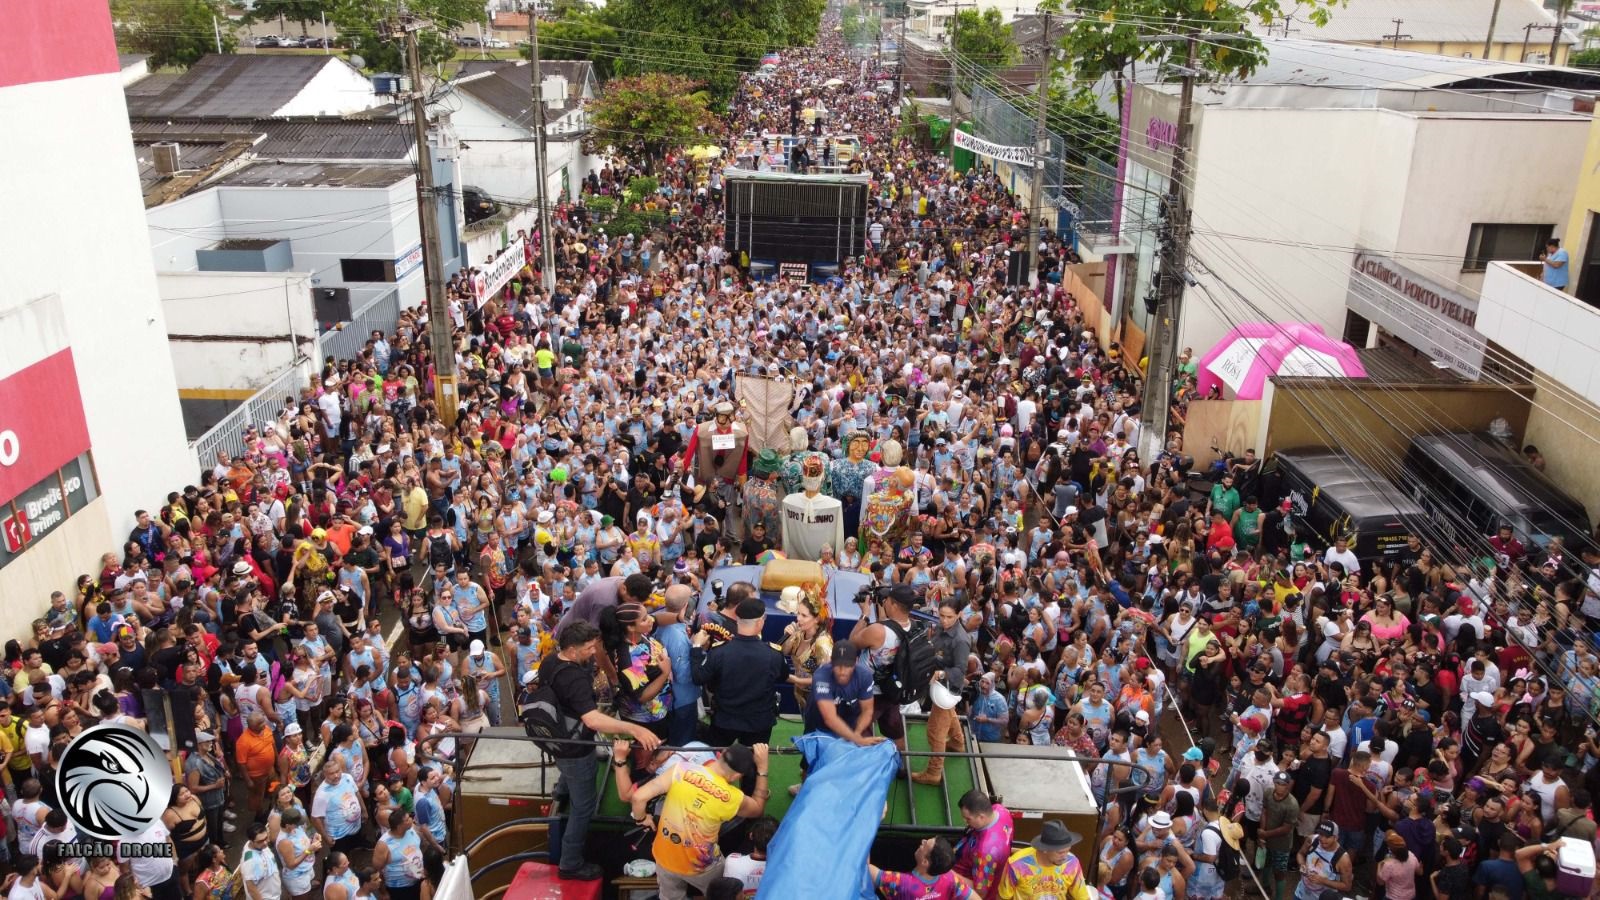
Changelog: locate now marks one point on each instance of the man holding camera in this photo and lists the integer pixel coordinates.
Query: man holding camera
(880, 643)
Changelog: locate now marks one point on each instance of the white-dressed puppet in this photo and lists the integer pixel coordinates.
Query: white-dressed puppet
(811, 519)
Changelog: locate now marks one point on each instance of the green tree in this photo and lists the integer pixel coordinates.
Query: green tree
(859, 26)
(650, 116)
(1103, 37)
(581, 36)
(367, 28)
(896, 9)
(303, 11)
(982, 39)
(173, 32)
(1586, 59)
(710, 41)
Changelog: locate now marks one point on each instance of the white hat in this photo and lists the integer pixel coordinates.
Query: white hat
(1142, 716)
(1482, 698)
(365, 530)
(942, 696)
(475, 649)
(1161, 820)
(530, 676)
(546, 517)
(293, 729)
(1071, 511)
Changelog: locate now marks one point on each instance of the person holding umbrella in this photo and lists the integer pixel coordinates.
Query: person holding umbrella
(1046, 868)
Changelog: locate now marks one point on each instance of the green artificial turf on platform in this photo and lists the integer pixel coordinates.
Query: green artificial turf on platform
(936, 806)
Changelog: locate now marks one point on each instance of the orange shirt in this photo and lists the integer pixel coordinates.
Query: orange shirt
(256, 753)
(340, 534)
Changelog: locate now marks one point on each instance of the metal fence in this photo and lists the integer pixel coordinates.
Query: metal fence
(379, 314)
(227, 436)
(1090, 193)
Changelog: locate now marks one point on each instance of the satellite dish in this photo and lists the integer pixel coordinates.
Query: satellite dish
(357, 61)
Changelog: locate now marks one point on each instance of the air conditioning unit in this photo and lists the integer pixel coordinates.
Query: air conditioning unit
(167, 158)
(390, 83)
(1537, 59)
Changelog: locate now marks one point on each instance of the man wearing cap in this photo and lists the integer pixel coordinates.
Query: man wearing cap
(205, 773)
(486, 670)
(744, 675)
(1481, 731)
(842, 698)
(699, 800)
(1324, 865)
(1046, 869)
(951, 649)
(1280, 814)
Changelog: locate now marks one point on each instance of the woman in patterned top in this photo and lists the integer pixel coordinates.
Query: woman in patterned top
(806, 641)
(644, 671)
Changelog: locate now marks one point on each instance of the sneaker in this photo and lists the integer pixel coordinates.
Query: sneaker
(585, 872)
(229, 827)
(230, 814)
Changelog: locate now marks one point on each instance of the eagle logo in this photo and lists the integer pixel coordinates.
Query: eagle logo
(114, 781)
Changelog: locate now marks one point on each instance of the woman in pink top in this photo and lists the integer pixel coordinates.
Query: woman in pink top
(1398, 873)
(1388, 623)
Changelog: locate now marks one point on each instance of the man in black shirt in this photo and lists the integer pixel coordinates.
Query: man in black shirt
(570, 673)
(756, 544)
(1311, 778)
(744, 674)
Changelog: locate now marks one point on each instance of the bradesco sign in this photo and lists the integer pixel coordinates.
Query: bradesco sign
(44, 473)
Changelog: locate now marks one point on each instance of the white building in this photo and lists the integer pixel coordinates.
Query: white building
(931, 18)
(491, 110)
(1352, 187)
(266, 85)
(90, 428)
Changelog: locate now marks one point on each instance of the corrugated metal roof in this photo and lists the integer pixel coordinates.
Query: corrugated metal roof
(234, 85)
(151, 85)
(1451, 21)
(270, 174)
(506, 86)
(308, 139)
(1315, 62)
(192, 155)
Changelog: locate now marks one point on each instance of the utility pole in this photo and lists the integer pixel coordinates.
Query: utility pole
(547, 265)
(1395, 38)
(1163, 336)
(216, 30)
(1041, 149)
(1527, 32)
(900, 64)
(1555, 36)
(1488, 39)
(440, 333)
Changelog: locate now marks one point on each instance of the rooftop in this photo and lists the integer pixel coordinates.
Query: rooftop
(1317, 62)
(330, 175)
(192, 157)
(1433, 21)
(318, 138)
(235, 85)
(506, 86)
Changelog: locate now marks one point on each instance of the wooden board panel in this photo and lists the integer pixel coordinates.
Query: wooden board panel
(1227, 424)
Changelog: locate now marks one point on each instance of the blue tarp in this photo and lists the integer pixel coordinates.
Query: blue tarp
(820, 850)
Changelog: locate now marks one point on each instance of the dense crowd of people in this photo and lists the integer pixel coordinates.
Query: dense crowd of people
(1396, 726)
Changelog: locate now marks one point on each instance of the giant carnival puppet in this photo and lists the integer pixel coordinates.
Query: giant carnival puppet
(889, 499)
(848, 478)
(811, 519)
(717, 454)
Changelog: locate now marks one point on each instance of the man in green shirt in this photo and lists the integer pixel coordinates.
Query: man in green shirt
(1224, 497)
(1280, 813)
(1537, 862)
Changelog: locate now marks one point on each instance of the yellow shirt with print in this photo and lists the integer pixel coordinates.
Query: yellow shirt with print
(697, 804)
(1027, 877)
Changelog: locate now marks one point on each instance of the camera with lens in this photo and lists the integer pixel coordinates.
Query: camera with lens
(872, 594)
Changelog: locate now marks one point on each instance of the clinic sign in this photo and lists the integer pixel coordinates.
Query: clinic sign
(1425, 314)
(45, 474)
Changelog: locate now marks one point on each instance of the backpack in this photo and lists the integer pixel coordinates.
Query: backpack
(908, 674)
(1228, 858)
(439, 550)
(542, 717)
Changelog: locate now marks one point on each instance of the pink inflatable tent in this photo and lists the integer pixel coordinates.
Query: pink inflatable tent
(1251, 353)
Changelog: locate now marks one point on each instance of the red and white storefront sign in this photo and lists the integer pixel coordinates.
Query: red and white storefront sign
(42, 427)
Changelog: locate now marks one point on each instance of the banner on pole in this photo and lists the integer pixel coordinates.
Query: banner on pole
(1019, 155)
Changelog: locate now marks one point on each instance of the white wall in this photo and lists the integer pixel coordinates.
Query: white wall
(1520, 170)
(108, 313)
(1253, 180)
(270, 315)
(325, 225)
(1332, 179)
(182, 227)
(1551, 330)
(334, 91)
